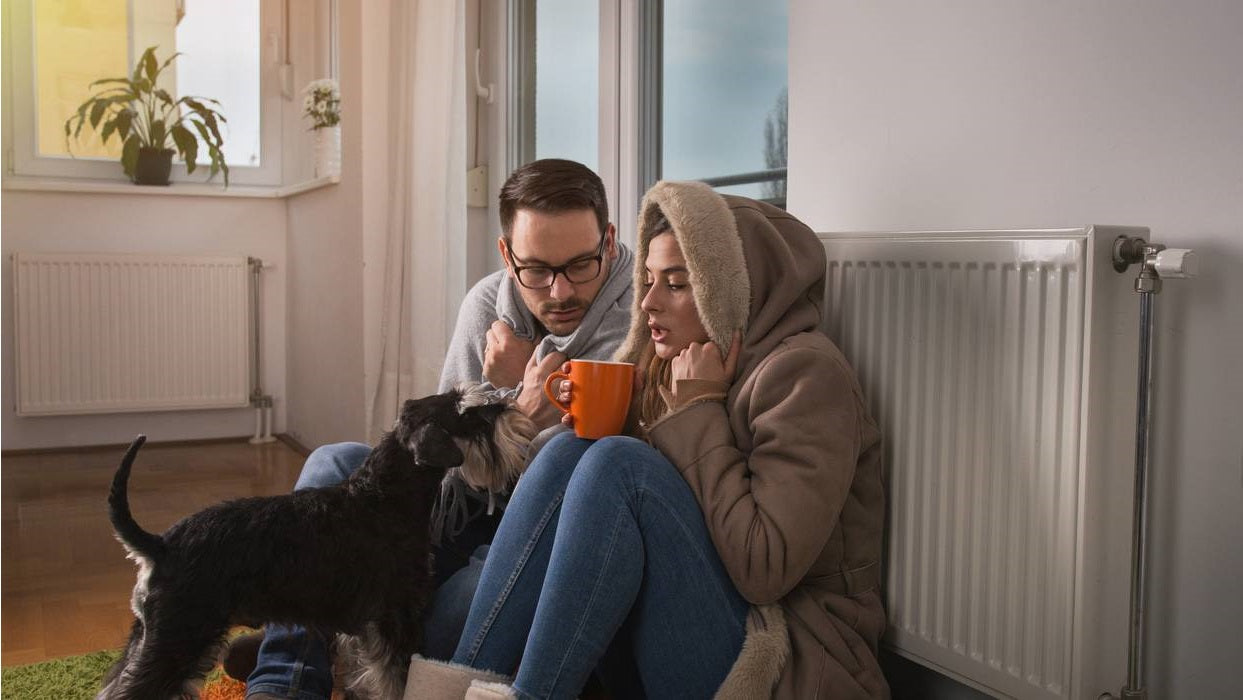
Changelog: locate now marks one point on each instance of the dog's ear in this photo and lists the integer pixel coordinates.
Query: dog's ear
(433, 446)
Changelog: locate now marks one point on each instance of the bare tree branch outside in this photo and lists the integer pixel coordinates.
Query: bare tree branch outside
(776, 145)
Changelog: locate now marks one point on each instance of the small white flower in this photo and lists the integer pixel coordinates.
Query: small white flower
(322, 103)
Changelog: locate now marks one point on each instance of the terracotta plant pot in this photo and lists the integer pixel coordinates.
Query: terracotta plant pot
(153, 167)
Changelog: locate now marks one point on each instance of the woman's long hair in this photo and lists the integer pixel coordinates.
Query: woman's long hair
(659, 372)
(651, 404)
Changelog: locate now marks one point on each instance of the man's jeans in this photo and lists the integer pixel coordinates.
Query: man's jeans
(295, 663)
(603, 558)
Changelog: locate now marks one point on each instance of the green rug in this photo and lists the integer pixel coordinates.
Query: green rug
(71, 678)
(81, 677)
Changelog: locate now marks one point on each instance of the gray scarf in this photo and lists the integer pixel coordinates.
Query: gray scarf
(602, 329)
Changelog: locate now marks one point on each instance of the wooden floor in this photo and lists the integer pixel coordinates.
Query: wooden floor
(65, 579)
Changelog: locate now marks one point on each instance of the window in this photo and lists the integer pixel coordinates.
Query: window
(57, 48)
(723, 95)
(659, 89)
(559, 101)
(226, 32)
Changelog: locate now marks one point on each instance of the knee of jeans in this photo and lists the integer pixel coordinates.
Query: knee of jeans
(331, 464)
(621, 448)
(560, 441)
(617, 456)
(555, 461)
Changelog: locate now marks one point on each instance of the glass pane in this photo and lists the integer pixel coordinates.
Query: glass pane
(723, 94)
(220, 43)
(75, 44)
(567, 76)
(80, 41)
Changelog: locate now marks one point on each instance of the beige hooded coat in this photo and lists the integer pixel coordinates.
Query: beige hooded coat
(787, 468)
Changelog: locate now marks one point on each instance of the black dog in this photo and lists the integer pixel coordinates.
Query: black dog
(347, 560)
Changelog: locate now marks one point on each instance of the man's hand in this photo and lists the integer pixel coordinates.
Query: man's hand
(505, 356)
(532, 400)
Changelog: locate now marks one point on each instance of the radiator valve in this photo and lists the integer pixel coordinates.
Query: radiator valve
(1156, 262)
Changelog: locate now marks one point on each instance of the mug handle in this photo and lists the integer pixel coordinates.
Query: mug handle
(558, 374)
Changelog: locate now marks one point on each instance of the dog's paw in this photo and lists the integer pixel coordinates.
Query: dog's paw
(432, 445)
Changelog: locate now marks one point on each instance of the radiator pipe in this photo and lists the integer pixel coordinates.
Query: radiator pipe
(256, 391)
(262, 403)
(1139, 529)
(1155, 261)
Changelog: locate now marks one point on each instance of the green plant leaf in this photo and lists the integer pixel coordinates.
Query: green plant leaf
(124, 118)
(207, 114)
(81, 117)
(169, 60)
(148, 62)
(164, 97)
(123, 98)
(129, 155)
(187, 145)
(109, 127)
(202, 129)
(213, 151)
(97, 112)
(158, 136)
(106, 81)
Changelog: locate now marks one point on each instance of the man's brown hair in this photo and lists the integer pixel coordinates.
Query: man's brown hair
(553, 186)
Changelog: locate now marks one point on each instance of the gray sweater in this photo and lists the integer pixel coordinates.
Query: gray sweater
(496, 297)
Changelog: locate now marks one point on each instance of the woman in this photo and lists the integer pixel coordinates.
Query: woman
(751, 511)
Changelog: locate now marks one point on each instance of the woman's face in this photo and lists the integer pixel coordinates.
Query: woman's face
(667, 299)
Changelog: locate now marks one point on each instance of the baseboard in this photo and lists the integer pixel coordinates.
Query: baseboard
(121, 446)
(294, 444)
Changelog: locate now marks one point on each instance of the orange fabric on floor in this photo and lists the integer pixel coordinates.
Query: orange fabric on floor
(223, 688)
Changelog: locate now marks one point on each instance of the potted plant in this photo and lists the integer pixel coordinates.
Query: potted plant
(151, 124)
(322, 105)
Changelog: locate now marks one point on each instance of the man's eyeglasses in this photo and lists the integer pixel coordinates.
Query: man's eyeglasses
(577, 271)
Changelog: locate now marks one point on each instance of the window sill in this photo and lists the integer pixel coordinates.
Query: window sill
(178, 189)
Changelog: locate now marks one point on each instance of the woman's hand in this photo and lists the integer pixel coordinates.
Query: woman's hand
(703, 361)
(563, 392)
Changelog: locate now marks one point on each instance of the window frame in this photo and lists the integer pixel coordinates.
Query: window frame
(625, 134)
(630, 113)
(21, 143)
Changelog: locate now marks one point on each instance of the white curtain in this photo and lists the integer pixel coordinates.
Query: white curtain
(424, 267)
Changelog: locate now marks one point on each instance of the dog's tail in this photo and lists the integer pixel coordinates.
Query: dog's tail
(128, 531)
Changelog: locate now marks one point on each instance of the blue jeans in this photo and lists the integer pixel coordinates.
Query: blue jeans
(295, 663)
(603, 559)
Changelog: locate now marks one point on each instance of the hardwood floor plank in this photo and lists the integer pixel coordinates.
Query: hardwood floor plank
(65, 580)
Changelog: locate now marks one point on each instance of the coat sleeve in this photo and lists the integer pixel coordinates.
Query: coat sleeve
(770, 512)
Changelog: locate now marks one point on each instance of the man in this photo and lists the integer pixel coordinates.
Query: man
(565, 292)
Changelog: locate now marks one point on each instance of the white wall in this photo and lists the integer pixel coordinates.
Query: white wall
(376, 79)
(980, 114)
(326, 284)
(138, 223)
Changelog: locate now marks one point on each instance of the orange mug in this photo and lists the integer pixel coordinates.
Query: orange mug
(599, 396)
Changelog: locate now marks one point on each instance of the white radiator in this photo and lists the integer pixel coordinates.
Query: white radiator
(118, 333)
(1001, 368)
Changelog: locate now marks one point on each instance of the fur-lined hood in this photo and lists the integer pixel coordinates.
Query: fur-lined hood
(753, 268)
